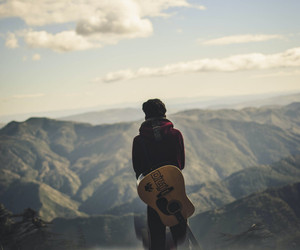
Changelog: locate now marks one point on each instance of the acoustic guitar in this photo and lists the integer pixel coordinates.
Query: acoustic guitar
(163, 189)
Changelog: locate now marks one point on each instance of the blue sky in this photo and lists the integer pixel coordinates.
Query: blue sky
(71, 54)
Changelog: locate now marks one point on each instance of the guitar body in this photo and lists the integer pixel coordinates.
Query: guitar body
(163, 189)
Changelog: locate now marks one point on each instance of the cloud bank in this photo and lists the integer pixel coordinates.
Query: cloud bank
(241, 39)
(97, 23)
(253, 61)
(60, 42)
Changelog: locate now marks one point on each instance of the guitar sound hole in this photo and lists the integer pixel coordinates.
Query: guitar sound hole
(162, 204)
(174, 207)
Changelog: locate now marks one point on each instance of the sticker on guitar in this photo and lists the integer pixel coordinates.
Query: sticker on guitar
(159, 181)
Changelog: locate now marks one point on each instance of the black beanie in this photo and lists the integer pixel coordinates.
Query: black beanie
(154, 108)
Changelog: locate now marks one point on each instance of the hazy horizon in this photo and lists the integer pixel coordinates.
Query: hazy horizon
(173, 105)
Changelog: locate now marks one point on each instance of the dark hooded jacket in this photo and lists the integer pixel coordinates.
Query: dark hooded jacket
(158, 144)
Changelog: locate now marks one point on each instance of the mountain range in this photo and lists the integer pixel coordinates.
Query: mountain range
(81, 174)
(87, 169)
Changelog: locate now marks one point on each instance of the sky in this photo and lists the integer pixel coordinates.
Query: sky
(74, 54)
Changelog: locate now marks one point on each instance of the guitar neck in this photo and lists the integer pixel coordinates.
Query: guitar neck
(194, 241)
(191, 236)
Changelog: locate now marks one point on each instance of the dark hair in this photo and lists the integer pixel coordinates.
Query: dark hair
(154, 108)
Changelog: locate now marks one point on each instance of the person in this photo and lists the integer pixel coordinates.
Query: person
(158, 144)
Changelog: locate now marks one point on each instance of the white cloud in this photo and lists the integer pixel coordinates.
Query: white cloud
(43, 12)
(241, 39)
(121, 75)
(119, 17)
(60, 42)
(97, 22)
(156, 8)
(11, 41)
(254, 61)
(36, 57)
(71, 41)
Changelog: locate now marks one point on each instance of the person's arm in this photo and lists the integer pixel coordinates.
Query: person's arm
(181, 150)
(136, 161)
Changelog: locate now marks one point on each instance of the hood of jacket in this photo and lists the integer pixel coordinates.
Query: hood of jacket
(156, 128)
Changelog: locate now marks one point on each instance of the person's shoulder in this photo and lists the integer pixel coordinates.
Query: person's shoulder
(176, 132)
(136, 138)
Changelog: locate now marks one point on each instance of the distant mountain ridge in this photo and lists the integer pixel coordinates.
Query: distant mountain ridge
(107, 116)
(134, 114)
(285, 117)
(278, 100)
(132, 111)
(88, 168)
